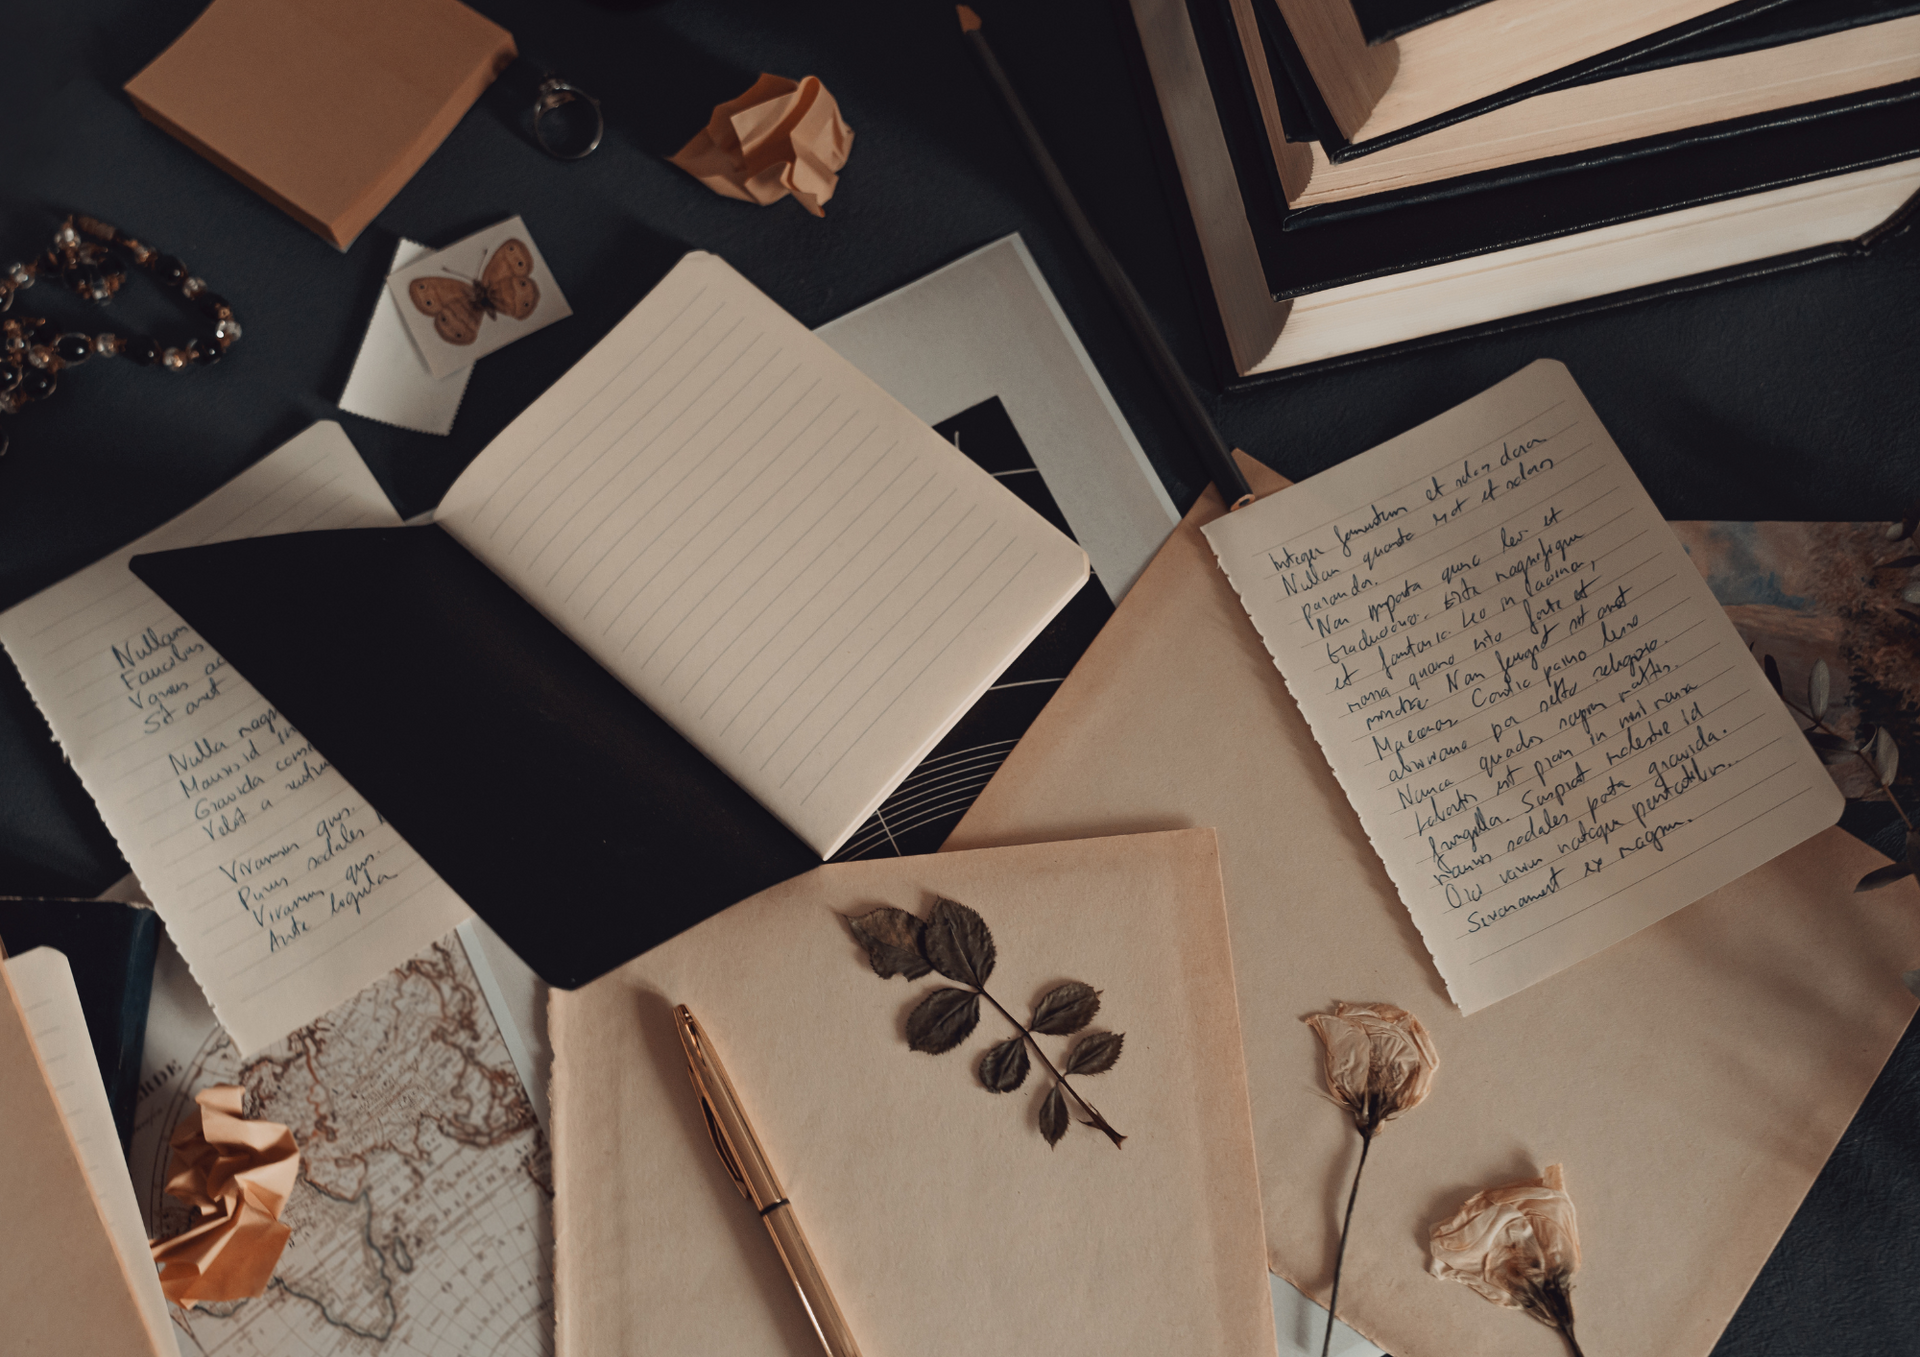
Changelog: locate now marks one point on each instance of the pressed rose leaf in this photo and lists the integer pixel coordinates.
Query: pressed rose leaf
(892, 939)
(1053, 1116)
(958, 943)
(1065, 1009)
(943, 1020)
(1095, 1054)
(1004, 1067)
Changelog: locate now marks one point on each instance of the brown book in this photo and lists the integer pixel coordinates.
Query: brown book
(323, 107)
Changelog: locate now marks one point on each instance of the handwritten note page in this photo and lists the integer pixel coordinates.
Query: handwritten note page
(285, 891)
(1552, 734)
(805, 580)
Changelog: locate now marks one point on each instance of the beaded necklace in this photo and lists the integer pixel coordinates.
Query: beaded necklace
(33, 351)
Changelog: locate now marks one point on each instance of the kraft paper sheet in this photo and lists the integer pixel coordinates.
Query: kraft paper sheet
(940, 1216)
(64, 1288)
(1692, 1078)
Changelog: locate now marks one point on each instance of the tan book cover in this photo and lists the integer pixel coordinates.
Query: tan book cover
(942, 1220)
(323, 107)
(1692, 1078)
(64, 1291)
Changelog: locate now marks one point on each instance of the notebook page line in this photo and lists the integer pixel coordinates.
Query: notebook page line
(597, 452)
(741, 564)
(581, 412)
(850, 745)
(831, 653)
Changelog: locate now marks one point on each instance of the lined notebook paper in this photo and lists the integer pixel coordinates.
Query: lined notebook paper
(285, 891)
(50, 1003)
(802, 578)
(1552, 734)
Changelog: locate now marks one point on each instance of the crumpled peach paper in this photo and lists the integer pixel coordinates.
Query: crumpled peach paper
(237, 1175)
(778, 138)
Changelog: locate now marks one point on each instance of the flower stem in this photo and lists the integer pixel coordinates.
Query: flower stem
(1573, 1347)
(1098, 1122)
(1340, 1258)
(1860, 754)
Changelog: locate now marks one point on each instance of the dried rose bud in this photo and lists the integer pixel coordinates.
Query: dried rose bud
(1380, 1061)
(1516, 1245)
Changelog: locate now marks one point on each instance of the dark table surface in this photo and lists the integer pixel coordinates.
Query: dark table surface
(1793, 396)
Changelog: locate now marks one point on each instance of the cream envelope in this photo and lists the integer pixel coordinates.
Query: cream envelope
(1692, 1078)
(943, 1221)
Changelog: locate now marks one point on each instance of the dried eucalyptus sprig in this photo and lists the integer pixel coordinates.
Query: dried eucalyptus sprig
(1379, 1063)
(1879, 753)
(956, 942)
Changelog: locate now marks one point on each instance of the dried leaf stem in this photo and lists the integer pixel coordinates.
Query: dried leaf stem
(1859, 753)
(1093, 1118)
(1340, 1258)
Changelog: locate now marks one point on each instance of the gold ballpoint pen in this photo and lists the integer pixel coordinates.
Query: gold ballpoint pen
(740, 1151)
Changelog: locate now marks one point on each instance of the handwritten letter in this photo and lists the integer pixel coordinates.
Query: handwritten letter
(1552, 734)
(284, 890)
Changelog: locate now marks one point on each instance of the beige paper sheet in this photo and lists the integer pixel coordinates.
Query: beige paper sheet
(1549, 728)
(65, 1291)
(942, 1219)
(1692, 1078)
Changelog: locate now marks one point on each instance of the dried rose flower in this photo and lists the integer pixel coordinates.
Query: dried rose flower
(1380, 1063)
(1518, 1246)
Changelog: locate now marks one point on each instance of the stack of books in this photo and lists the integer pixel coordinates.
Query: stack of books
(1411, 169)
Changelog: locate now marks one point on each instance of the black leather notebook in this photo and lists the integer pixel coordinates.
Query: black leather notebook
(110, 948)
(673, 637)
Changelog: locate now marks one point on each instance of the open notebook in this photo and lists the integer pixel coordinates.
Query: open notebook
(803, 585)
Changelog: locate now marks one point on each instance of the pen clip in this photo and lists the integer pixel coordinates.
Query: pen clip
(725, 1150)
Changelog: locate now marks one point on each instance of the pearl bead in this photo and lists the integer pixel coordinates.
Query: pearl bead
(228, 330)
(193, 287)
(106, 343)
(66, 236)
(173, 360)
(21, 278)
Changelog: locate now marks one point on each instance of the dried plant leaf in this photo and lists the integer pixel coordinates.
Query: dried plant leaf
(1819, 739)
(1065, 1009)
(1911, 979)
(1886, 757)
(1883, 876)
(1773, 674)
(1819, 689)
(1899, 563)
(892, 939)
(1095, 1054)
(943, 1020)
(1053, 1116)
(959, 943)
(1004, 1067)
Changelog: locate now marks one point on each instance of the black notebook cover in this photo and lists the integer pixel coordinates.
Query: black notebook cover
(581, 826)
(110, 948)
(1747, 26)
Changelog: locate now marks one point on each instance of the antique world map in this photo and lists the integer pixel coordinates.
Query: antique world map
(420, 1219)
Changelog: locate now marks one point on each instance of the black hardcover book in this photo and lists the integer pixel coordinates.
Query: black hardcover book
(1747, 26)
(110, 948)
(1381, 20)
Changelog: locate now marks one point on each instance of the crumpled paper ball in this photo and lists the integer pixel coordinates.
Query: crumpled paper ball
(779, 137)
(237, 1175)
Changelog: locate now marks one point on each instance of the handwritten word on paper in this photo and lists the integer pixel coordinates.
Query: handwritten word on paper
(284, 890)
(1552, 734)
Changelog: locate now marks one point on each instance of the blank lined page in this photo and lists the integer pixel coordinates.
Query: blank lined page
(284, 890)
(1550, 730)
(773, 553)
